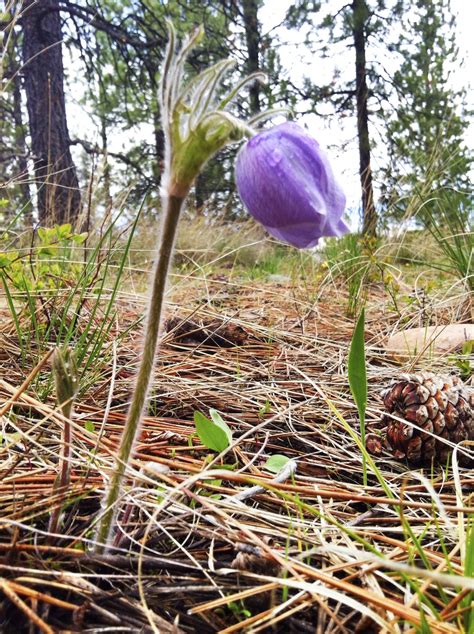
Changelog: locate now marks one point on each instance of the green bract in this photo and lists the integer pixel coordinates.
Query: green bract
(195, 124)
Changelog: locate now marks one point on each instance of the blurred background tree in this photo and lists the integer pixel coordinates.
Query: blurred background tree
(13, 145)
(363, 27)
(387, 63)
(57, 186)
(425, 133)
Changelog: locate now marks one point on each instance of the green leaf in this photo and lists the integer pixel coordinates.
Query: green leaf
(425, 628)
(468, 346)
(357, 372)
(7, 258)
(13, 438)
(218, 420)
(229, 467)
(265, 409)
(89, 426)
(210, 493)
(213, 434)
(469, 572)
(276, 463)
(79, 238)
(44, 235)
(356, 367)
(48, 250)
(63, 231)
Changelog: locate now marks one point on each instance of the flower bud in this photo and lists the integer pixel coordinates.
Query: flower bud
(286, 182)
(195, 123)
(65, 378)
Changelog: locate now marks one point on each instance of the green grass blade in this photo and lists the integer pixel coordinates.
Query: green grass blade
(107, 315)
(14, 314)
(357, 373)
(468, 601)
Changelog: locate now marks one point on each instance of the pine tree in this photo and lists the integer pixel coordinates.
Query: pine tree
(121, 44)
(363, 26)
(59, 197)
(123, 65)
(425, 138)
(14, 173)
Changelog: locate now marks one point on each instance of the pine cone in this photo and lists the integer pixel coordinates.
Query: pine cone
(437, 404)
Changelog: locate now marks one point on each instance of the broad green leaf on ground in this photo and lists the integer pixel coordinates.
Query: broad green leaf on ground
(214, 434)
(276, 463)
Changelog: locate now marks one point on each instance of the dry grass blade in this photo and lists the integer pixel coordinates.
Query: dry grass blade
(9, 590)
(17, 394)
(318, 551)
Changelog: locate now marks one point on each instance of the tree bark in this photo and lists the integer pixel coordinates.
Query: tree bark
(12, 115)
(58, 194)
(360, 14)
(200, 193)
(20, 143)
(252, 38)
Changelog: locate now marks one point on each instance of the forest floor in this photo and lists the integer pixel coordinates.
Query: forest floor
(318, 552)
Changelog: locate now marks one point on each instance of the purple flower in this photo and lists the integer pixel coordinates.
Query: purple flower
(286, 182)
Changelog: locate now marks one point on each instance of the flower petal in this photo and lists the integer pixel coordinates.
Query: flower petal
(286, 182)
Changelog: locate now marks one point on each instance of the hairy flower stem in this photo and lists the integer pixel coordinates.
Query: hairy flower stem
(172, 207)
(62, 481)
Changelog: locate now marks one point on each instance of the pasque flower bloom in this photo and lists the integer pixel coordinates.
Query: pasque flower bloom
(286, 182)
(195, 125)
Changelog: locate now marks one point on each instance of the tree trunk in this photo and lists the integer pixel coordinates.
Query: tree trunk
(106, 172)
(59, 198)
(252, 38)
(360, 14)
(20, 144)
(159, 137)
(13, 130)
(200, 193)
